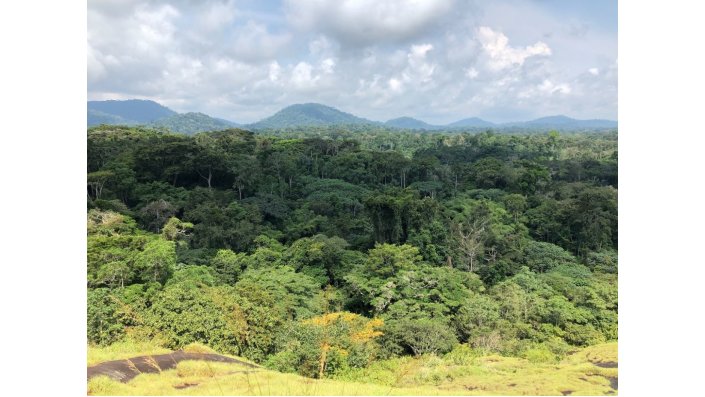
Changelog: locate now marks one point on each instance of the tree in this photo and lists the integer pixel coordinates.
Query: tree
(325, 344)
(187, 312)
(515, 204)
(541, 257)
(386, 260)
(96, 182)
(228, 265)
(246, 170)
(156, 213)
(156, 262)
(296, 294)
(176, 230)
(104, 319)
(424, 336)
(469, 235)
(477, 315)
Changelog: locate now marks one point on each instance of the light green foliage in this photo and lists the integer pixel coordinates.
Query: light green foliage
(196, 275)
(320, 257)
(156, 262)
(104, 317)
(326, 345)
(477, 315)
(386, 260)
(422, 336)
(228, 266)
(185, 312)
(603, 261)
(297, 294)
(541, 257)
(504, 242)
(176, 230)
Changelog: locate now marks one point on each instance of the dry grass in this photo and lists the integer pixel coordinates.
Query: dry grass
(123, 350)
(486, 375)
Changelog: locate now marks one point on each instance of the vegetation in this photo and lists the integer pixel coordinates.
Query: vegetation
(191, 123)
(330, 253)
(460, 372)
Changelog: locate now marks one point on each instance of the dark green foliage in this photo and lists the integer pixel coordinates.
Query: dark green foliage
(422, 336)
(104, 317)
(252, 243)
(541, 257)
(191, 123)
(187, 312)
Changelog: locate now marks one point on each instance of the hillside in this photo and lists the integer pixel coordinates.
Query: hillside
(589, 371)
(561, 122)
(309, 114)
(135, 111)
(141, 111)
(191, 123)
(96, 117)
(471, 122)
(411, 123)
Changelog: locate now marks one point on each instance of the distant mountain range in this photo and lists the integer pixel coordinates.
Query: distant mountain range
(150, 113)
(410, 123)
(308, 114)
(132, 110)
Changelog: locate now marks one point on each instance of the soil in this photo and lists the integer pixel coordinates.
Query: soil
(126, 370)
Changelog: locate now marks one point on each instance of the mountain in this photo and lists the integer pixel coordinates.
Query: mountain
(96, 117)
(411, 123)
(308, 114)
(150, 113)
(138, 110)
(472, 122)
(561, 122)
(191, 123)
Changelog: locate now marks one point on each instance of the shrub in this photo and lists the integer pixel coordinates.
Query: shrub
(462, 354)
(424, 336)
(542, 257)
(539, 354)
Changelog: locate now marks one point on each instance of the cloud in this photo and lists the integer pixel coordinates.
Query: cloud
(254, 42)
(502, 55)
(419, 70)
(368, 22)
(436, 60)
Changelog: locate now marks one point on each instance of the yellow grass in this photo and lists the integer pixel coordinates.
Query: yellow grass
(488, 375)
(123, 350)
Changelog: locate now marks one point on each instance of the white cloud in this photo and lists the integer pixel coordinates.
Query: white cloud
(549, 87)
(434, 60)
(302, 77)
(274, 71)
(254, 42)
(217, 16)
(365, 22)
(502, 55)
(395, 85)
(419, 70)
(328, 65)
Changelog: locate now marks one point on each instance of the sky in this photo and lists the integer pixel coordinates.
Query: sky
(436, 60)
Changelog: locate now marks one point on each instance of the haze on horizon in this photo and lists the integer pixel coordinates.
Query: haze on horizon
(439, 61)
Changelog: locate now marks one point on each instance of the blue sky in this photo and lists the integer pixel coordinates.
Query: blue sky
(439, 61)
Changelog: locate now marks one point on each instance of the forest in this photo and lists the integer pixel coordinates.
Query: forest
(320, 251)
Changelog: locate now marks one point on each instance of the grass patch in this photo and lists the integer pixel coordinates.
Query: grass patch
(123, 350)
(462, 372)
